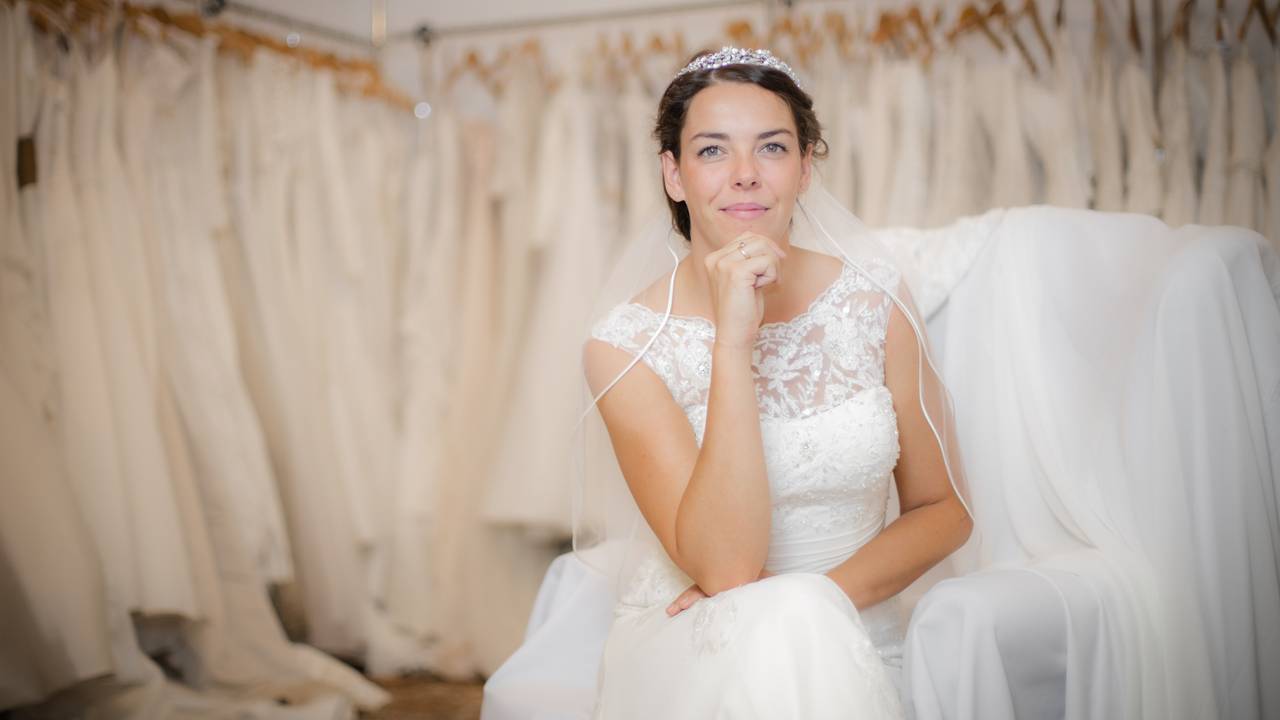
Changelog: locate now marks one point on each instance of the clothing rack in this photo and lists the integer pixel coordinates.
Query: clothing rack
(427, 33)
(213, 8)
(354, 74)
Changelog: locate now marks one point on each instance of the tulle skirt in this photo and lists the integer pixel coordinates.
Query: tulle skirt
(788, 646)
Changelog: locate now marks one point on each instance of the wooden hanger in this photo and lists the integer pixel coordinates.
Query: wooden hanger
(1256, 8)
(47, 19)
(740, 33)
(916, 19)
(1030, 8)
(998, 10)
(804, 40)
(888, 28)
(972, 18)
(1182, 21)
(838, 28)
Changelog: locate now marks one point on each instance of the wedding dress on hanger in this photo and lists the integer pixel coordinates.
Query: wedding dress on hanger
(1049, 110)
(239, 648)
(909, 193)
(1248, 143)
(642, 183)
(117, 269)
(1011, 176)
(1213, 177)
(877, 140)
(518, 130)
(481, 614)
(834, 100)
(959, 185)
(433, 260)
(25, 331)
(1179, 204)
(1271, 162)
(52, 594)
(1104, 132)
(526, 486)
(1143, 182)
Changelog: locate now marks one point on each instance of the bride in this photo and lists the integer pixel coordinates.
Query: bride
(758, 399)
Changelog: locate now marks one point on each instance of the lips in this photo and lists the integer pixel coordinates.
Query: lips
(745, 211)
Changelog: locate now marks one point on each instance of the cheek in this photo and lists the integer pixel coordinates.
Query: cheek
(785, 176)
(703, 183)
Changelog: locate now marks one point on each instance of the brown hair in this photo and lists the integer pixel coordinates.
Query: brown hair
(674, 106)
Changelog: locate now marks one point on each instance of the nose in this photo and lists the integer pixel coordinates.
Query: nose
(745, 176)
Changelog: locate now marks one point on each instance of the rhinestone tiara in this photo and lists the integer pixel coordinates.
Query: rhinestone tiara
(738, 56)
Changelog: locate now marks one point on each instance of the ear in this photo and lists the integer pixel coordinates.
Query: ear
(806, 169)
(671, 176)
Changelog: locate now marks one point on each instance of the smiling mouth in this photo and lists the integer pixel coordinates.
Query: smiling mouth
(745, 211)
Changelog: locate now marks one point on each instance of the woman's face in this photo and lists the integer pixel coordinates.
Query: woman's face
(741, 166)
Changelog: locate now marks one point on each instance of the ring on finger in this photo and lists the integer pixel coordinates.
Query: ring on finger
(741, 248)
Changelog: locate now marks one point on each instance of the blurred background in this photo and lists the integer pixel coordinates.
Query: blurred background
(292, 291)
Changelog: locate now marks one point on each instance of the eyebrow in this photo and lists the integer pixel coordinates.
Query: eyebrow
(725, 136)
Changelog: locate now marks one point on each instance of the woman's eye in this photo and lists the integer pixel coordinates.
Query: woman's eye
(709, 151)
(775, 148)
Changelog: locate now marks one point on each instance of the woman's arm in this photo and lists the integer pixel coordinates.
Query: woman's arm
(933, 522)
(709, 507)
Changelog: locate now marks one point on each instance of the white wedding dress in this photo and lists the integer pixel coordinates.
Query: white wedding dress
(792, 645)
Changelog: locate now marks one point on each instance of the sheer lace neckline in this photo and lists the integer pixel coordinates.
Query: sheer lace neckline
(822, 298)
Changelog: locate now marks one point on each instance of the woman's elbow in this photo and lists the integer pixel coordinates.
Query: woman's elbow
(963, 526)
(713, 583)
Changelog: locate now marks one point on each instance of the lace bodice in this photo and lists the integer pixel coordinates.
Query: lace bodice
(829, 429)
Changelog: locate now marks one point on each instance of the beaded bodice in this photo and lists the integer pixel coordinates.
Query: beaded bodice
(829, 429)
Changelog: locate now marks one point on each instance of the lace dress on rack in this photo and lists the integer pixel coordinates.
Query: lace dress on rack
(791, 645)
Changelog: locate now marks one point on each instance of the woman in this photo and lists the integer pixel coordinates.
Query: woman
(757, 421)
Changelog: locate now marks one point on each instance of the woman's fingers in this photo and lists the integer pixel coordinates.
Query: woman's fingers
(760, 267)
(685, 599)
(693, 594)
(751, 244)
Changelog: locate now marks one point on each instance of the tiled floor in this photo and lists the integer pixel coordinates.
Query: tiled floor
(426, 699)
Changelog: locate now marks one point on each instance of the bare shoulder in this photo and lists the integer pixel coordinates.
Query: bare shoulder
(822, 269)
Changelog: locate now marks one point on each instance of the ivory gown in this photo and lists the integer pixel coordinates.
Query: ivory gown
(1213, 177)
(791, 645)
(1179, 205)
(1143, 182)
(1248, 143)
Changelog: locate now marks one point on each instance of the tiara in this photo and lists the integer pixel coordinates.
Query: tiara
(738, 56)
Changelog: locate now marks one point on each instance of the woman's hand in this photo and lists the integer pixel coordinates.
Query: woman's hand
(737, 273)
(693, 594)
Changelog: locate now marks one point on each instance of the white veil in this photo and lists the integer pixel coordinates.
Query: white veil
(609, 532)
